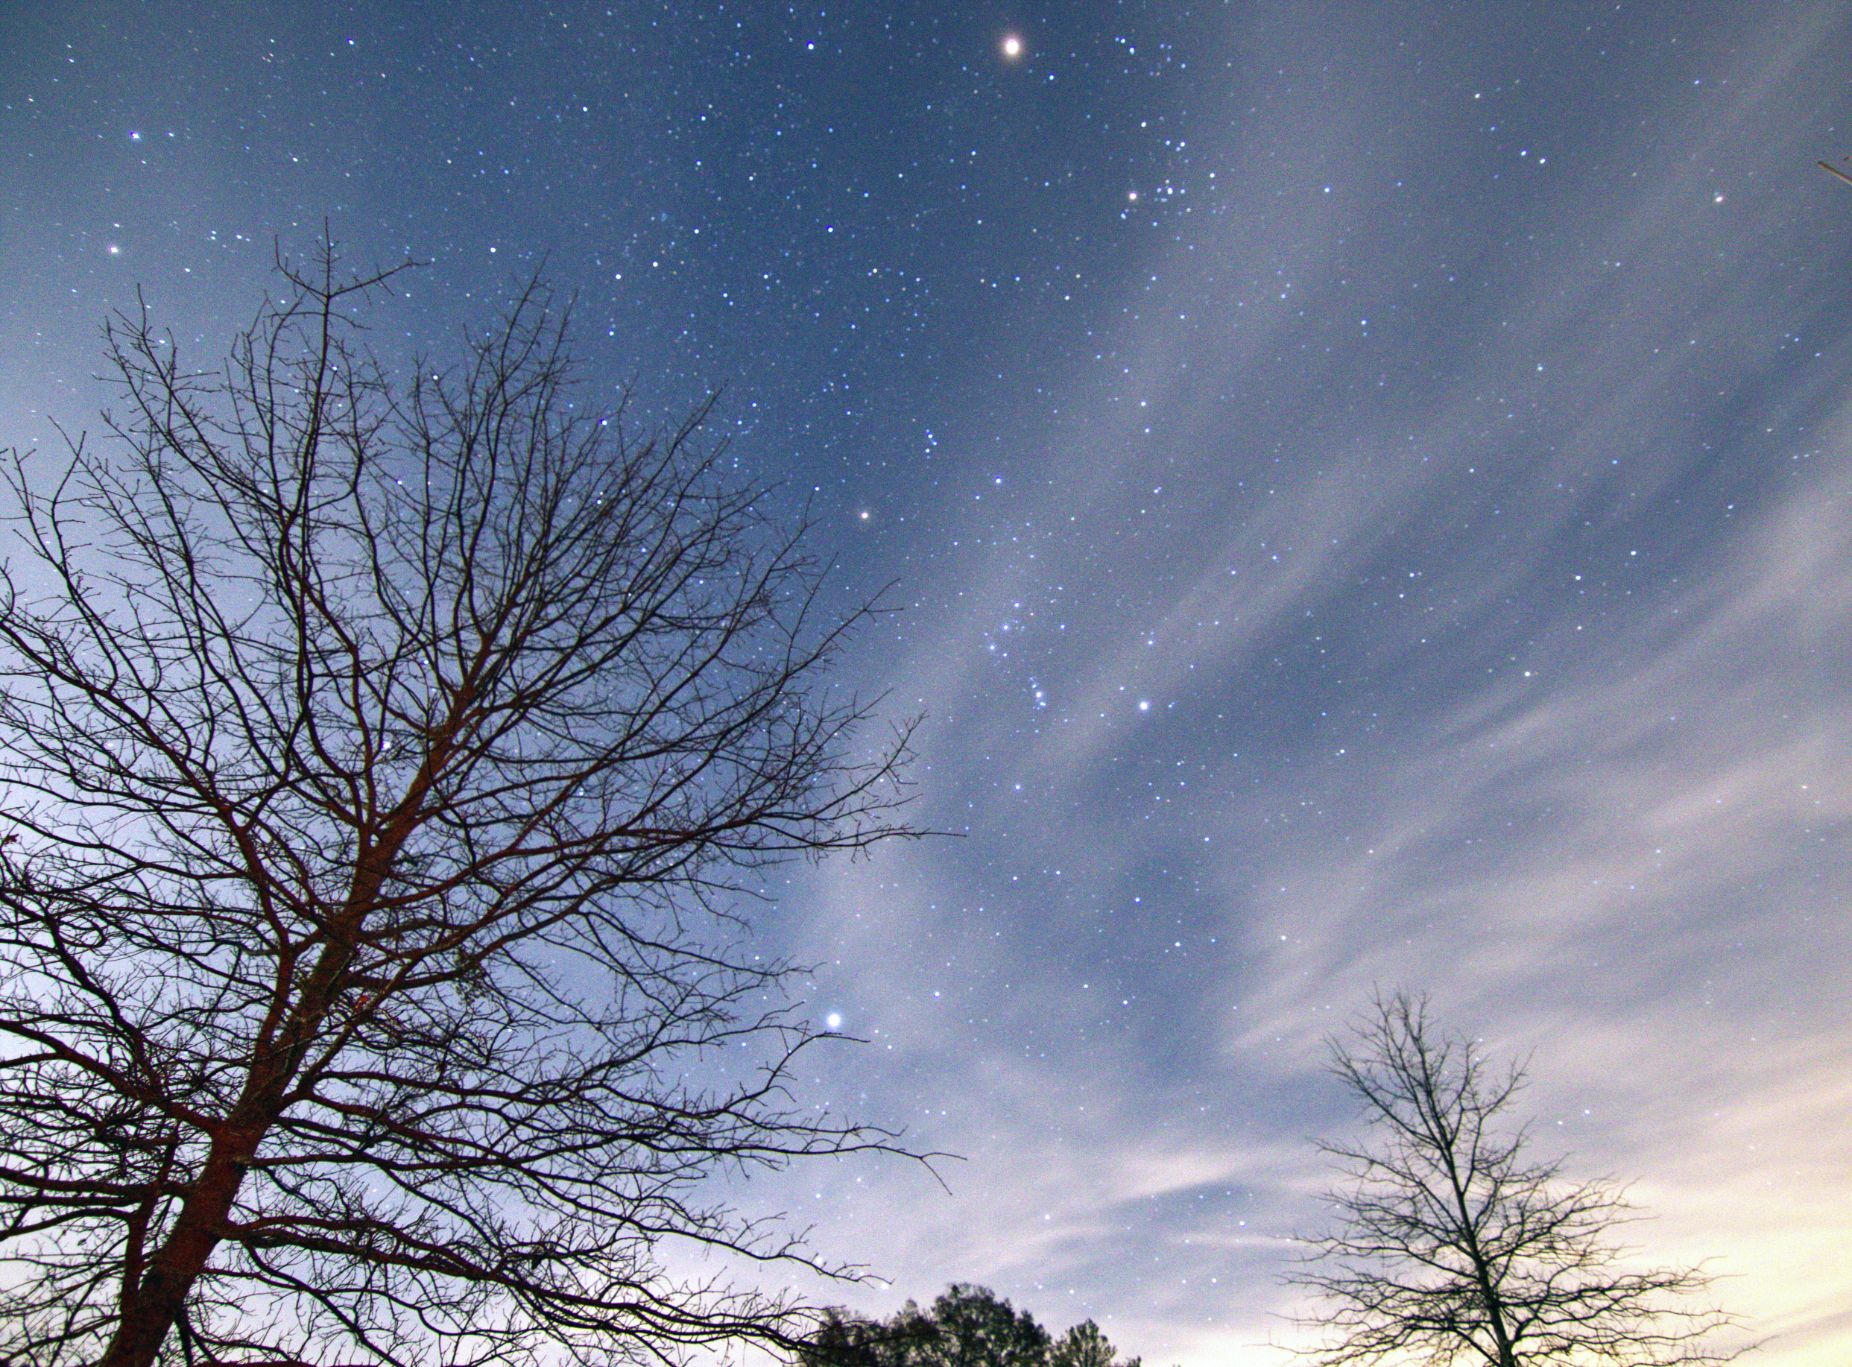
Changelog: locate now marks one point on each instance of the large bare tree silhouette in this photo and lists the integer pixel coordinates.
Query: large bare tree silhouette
(383, 760)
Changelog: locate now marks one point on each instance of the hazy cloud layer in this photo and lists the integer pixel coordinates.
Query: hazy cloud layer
(1522, 680)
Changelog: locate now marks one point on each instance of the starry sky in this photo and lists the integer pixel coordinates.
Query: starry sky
(1368, 488)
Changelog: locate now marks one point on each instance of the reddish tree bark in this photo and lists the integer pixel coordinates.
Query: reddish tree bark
(386, 762)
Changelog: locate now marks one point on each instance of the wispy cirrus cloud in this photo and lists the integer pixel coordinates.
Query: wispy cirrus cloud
(1510, 663)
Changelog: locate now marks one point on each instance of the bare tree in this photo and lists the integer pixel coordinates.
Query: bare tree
(1453, 1245)
(382, 763)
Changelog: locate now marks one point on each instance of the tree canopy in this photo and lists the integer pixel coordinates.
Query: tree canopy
(385, 756)
(966, 1326)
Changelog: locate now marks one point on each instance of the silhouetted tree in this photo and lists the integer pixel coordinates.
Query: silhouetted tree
(978, 1328)
(967, 1326)
(381, 760)
(1453, 1245)
(845, 1340)
(1085, 1346)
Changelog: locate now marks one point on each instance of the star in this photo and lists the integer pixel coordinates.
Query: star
(1012, 46)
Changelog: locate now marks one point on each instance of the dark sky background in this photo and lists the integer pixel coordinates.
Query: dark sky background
(1369, 489)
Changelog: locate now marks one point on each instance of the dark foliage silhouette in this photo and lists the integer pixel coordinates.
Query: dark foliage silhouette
(967, 1326)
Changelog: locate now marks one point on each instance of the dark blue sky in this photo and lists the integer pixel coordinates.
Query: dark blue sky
(1369, 487)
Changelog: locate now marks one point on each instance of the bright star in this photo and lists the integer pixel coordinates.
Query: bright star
(833, 1020)
(1012, 46)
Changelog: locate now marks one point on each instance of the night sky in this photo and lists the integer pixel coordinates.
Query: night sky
(1368, 488)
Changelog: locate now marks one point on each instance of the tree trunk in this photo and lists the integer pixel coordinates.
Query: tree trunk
(153, 1307)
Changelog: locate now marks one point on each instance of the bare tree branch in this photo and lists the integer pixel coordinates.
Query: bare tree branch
(1449, 1244)
(383, 762)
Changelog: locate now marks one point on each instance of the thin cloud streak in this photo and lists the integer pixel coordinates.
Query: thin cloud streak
(1614, 837)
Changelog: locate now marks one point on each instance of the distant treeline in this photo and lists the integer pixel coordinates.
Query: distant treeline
(968, 1326)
